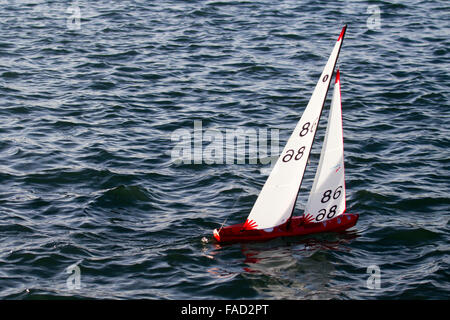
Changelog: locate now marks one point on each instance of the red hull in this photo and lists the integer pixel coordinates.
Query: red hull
(235, 233)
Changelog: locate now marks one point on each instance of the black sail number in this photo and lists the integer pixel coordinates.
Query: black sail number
(292, 154)
(332, 212)
(321, 215)
(300, 152)
(323, 212)
(327, 194)
(305, 129)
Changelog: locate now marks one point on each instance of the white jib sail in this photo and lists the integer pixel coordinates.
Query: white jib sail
(327, 197)
(277, 198)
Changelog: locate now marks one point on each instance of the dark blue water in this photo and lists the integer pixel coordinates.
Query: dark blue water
(89, 108)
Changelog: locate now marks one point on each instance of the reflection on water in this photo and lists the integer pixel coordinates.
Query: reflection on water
(294, 268)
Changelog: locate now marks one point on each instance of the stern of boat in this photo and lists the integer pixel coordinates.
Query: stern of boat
(216, 235)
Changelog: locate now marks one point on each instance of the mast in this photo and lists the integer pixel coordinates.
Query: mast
(276, 201)
(341, 39)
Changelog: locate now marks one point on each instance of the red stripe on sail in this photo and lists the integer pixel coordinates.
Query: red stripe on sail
(342, 33)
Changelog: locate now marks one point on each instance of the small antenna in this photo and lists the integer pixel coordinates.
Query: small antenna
(223, 224)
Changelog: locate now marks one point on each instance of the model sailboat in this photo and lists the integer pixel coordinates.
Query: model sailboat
(272, 213)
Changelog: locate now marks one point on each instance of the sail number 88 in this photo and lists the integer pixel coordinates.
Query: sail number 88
(322, 213)
(290, 154)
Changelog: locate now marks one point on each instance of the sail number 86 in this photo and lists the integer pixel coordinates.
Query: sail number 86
(327, 194)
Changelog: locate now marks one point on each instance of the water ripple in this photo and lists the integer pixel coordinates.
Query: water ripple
(87, 117)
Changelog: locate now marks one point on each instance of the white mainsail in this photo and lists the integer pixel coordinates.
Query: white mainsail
(327, 197)
(277, 198)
